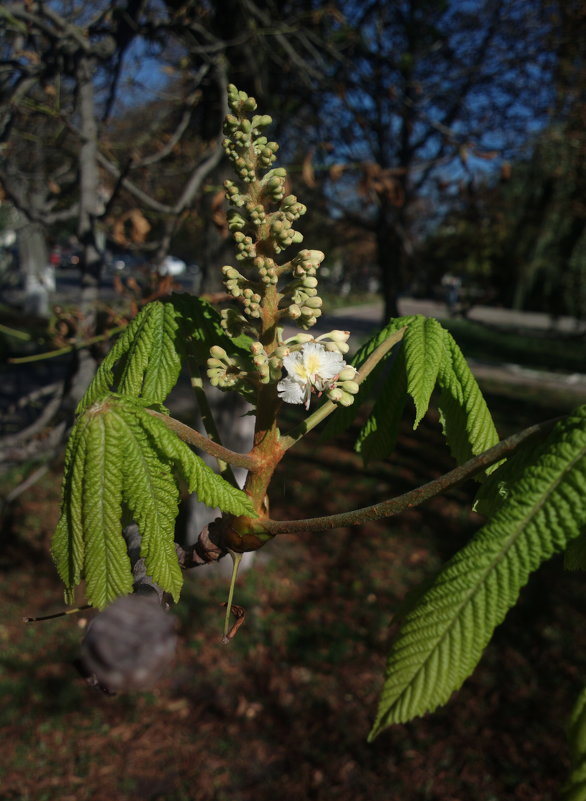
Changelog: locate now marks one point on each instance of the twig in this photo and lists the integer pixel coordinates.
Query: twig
(11, 440)
(51, 354)
(207, 418)
(413, 498)
(193, 437)
(29, 481)
(14, 332)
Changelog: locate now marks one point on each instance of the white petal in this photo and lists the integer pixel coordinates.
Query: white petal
(292, 361)
(291, 391)
(330, 364)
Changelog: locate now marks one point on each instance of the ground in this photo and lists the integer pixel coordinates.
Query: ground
(284, 710)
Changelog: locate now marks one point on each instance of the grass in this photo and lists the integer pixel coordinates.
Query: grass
(536, 350)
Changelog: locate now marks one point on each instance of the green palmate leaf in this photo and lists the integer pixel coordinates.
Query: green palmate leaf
(345, 416)
(88, 540)
(466, 420)
(146, 359)
(445, 633)
(199, 328)
(424, 343)
(211, 488)
(378, 436)
(121, 456)
(575, 787)
(67, 546)
(495, 490)
(106, 565)
(151, 495)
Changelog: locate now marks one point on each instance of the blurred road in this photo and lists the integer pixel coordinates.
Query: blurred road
(360, 320)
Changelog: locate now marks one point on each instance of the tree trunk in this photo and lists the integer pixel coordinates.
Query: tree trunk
(391, 260)
(89, 203)
(33, 257)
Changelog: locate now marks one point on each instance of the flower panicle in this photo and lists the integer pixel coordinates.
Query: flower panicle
(261, 218)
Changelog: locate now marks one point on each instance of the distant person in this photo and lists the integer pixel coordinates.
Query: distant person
(452, 285)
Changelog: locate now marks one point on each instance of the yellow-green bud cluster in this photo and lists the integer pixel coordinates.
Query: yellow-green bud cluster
(345, 388)
(233, 194)
(283, 232)
(251, 302)
(243, 289)
(267, 270)
(244, 144)
(307, 262)
(245, 247)
(234, 281)
(260, 361)
(233, 322)
(261, 219)
(225, 372)
(257, 213)
(300, 299)
(273, 184)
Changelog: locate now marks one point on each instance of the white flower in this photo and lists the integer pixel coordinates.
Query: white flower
(312, 368)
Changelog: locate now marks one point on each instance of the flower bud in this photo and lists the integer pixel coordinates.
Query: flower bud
(346, 399)
(347, 374)
(217, 352)
(351, 387)
(300, 339)
(335, 395)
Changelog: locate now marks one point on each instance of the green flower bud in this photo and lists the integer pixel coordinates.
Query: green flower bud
(218, 353)
(351, 387)
(307, 311)
(347, 374)
(299, 339)
(335, 395)
(314, 302)
(346, 400)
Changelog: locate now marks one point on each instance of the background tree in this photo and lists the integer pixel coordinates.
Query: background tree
(524, 230)
(424, 90)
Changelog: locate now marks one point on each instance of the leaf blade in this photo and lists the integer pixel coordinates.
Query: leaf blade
(446, 632)
(106, 563)
(466, 420)
(424, 355)
(150, 492)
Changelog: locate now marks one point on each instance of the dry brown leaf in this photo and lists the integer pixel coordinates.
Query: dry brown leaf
(218, 212)
(307, 171)
(336, 171)
(488, 155)
(132, 227)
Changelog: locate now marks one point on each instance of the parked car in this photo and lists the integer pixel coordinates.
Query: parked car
(125, 261)
(172, 266)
